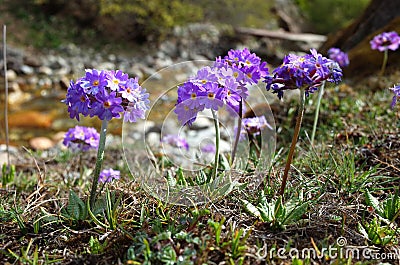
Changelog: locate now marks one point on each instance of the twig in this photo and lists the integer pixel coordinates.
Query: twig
(6, 96)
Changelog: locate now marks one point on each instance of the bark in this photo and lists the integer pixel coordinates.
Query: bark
(378, 14)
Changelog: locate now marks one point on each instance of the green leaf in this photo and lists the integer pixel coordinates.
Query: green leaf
(171, 181)
(372, 201)
(362, 231)
(391, 206)
(251, 208)
(279, 211)
(168, 255)
(76, 208)
(296, 213)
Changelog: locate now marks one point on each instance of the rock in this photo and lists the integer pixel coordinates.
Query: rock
(45, 70)
(32, 61)
(162, 63)
(64, 82)
(11, 75)
(45, 83)
(106, 66)
(153, 139)
(41, 143)
(17, 96)
(135, 71)
(29, 119)
(26, 69)
(58, 137)
(61, 124)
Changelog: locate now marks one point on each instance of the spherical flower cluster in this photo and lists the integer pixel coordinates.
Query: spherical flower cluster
(107, 94)
(253, 126)
(247, 63)
(108, 175)
(175, 141)
(308, 72)
(385, 41)
(225, 83)
(396, 91)
(339, 56)
(81, 138)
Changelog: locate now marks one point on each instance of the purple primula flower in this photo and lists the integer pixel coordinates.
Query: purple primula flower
(108, 175)
(211, 96)
(225, 83)
(81, 138)
(253, 126)
(308, 71)
(107, 94)
(107, 106)
(187, 115)
(94, 81)
(116, 80)
(175, 141)
(131, 90)
(385, 41)
(396, 91)
(339, 56)
(77, 100)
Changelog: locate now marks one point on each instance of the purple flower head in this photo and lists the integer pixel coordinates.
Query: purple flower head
(248, 63)
(108, 175)
(253, 126)
(208, 148)
(396, 91)
(225, 83)
(385, 41)
(175, 141)
(81, 138)
(107, 95)
(308, 71)
(339, 56)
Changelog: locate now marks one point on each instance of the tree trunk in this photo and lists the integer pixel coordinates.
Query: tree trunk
(379, 16)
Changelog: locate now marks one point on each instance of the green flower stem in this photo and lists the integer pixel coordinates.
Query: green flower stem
(238, 130)
(99, 162)
(385, 59)
(320, 94)
(80, 166)
(217, 138)
(294, 140)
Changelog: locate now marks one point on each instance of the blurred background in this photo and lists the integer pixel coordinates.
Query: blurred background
(50, 42)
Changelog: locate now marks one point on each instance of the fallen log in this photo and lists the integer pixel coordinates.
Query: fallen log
(284, 35)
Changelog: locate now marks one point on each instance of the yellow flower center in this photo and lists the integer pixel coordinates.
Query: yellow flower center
(106, 104)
